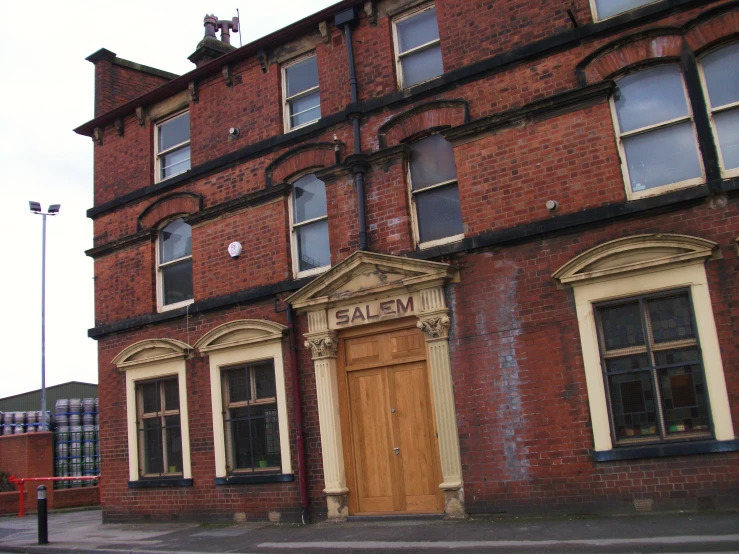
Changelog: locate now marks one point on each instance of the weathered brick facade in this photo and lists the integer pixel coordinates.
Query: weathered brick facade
(526, 101)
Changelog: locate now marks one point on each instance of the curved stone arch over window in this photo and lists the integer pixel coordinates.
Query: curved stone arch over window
(167, 207)
(301, 159)
(424, 118)
(628, 271)
(150, 362)
(240, 346)
(719, 24)
(659, 45)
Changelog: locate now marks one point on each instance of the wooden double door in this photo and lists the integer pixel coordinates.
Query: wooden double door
(391, 449)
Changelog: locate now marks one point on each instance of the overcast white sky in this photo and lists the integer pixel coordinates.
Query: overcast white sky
(46, 87)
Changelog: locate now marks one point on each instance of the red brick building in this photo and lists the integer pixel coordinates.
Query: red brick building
(422, 257)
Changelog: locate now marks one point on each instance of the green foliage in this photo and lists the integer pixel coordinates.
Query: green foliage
(5, 486)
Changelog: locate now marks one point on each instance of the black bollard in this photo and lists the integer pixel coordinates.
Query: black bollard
(43, 527)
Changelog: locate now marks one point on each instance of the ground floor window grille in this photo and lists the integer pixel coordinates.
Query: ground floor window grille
(250, 418)
(158, 424)
(653, 369)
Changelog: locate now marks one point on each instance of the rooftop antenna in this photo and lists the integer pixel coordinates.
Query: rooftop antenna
(238, 18)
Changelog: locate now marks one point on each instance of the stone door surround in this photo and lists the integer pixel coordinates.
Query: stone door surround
(363, 289)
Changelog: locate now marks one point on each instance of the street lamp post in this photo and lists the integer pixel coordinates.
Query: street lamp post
(53, 210)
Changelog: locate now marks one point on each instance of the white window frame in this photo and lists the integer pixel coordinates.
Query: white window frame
(286, 100)
(254, 401)
(414, 211)
(630, 194)
(421, 48)
(638, 276)
(161, 306)
(294, 235)
(725, 173)
(158, 156)
(156, 369)
(239, 343)
(138, 387)
(597, 18)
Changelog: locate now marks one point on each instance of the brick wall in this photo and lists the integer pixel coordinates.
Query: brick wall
(256, 501)
(522, 404)
(27, 455)
(519, 381)
(32, 455)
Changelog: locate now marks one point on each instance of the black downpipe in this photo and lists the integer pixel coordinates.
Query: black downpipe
(358, 170)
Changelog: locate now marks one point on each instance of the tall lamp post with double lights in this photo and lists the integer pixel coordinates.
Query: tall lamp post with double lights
(53, 210)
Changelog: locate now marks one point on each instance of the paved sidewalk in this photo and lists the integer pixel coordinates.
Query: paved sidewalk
(84, 532)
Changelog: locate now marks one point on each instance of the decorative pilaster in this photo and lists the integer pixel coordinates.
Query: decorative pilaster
(323, 345)
(434, 322)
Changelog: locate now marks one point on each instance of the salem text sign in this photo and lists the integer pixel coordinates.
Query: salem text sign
(372, 311)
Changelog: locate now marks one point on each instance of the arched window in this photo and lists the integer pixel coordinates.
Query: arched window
(657, 138)
(434, 193)
(174, 265)
(309, 219)
(721, 83)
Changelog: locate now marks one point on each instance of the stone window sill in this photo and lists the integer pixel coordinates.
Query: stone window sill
(255, 479)
(159, 482)
(663, 450)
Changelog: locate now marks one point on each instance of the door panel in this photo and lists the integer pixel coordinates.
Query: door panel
(387, 405)
(364, 351)
(415, 437)
(371, 434)
(406, 344)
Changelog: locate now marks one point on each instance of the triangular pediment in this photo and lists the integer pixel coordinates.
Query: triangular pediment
(634, 255)
(367, 274)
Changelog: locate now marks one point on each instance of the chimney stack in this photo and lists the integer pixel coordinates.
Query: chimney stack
(226, 28)
(210, 47)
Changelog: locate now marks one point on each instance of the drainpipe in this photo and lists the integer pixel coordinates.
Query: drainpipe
(345, 19)
(302, 474)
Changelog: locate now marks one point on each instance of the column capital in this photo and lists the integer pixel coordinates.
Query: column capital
(322, 345)
(435, 327)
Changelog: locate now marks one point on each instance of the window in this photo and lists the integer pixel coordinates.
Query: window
(173, 146)
(721, 82)
(250, 419)
(653, 369)
(434, 192)
(158, 425)
(656, 134)
(156, 411)
(417, 47)
(175, 265)
(302, 97)
(251, 437)
(650, 351)
(608, 8)
(311, 253)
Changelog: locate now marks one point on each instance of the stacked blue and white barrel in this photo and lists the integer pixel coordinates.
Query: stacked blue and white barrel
(76, 445)
(17, 423)
(89, 437)
(6, 422)
(75, 439)
(61, 434)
